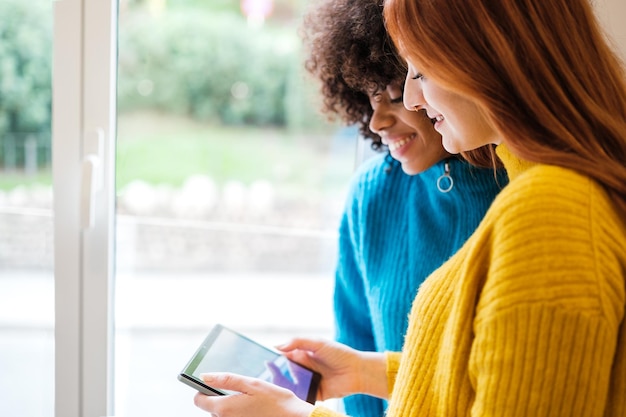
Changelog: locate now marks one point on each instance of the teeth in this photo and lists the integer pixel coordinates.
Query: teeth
(439, 118)
(400, 143)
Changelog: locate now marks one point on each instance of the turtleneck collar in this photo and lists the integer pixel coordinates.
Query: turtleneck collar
(512, 163)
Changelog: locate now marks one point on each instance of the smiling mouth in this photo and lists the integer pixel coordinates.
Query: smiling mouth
(435, 119)
(400, 143)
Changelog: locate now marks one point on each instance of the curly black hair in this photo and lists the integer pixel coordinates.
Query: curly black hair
(350, 52)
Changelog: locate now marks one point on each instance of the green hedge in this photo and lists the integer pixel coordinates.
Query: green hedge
(215, 67)
(206, 64)
(25, 77)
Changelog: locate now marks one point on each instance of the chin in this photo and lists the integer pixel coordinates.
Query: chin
(451, 147)
(411, 169)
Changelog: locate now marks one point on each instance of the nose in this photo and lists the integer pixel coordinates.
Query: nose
(381, 118)
(413, 98)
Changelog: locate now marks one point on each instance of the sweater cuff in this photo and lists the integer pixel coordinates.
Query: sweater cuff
(321, 411)
(393, 363)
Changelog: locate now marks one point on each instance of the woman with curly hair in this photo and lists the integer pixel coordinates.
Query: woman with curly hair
(409, 208)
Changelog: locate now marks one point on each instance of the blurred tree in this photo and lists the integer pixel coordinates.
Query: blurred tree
(25, 72)
(214, 67)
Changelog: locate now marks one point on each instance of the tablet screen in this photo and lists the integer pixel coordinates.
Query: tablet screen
(225, 350)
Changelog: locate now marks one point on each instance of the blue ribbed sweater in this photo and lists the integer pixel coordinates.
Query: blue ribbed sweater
(396, 229)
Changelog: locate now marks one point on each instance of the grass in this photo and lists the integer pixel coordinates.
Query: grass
(10, 180)
(165, 149)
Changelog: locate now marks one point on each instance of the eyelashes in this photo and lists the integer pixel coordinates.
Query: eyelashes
(400, 98)
(418, 76)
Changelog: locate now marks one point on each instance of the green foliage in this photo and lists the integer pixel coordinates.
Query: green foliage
(193, 58)
(212, 66)
(25, 72)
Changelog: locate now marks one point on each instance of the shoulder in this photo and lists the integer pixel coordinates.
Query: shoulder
(573, 204)
(553, 192)
(555, 237)
(551, 202)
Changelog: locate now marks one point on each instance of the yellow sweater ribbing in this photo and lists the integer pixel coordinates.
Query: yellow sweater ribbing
(527, 319)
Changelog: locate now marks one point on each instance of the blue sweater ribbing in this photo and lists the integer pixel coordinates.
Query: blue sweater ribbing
(396, 229)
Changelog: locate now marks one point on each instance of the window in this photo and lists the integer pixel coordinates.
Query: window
(225, 202)
(229, 190)
(26, 221)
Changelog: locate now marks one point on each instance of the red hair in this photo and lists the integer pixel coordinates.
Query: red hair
(541, 71)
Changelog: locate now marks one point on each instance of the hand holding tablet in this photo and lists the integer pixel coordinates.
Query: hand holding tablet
(225, 350)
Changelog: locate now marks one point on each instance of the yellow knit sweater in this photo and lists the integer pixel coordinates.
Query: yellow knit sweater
(527, 319)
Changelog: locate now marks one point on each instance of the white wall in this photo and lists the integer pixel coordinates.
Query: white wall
(613, 14)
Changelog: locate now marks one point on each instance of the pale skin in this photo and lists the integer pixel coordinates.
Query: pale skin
(344, 371)
(460, 122)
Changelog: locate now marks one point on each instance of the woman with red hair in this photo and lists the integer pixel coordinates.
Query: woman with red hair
(528, 317)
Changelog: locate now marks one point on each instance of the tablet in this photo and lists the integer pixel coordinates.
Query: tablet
(225, 350)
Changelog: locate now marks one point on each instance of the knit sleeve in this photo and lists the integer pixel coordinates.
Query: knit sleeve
(542, 362)
(548, 317)
(352, 317)
(321, 411)
(393, 364)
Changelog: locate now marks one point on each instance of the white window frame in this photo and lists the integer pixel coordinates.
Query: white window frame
(83, 132)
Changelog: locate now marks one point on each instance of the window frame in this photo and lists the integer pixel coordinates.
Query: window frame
(83, 137)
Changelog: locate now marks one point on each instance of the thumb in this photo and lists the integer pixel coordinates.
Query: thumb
(305, 344)
(226, 381)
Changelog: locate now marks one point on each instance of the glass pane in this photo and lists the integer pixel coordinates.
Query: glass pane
(26, 230)
(229, 189)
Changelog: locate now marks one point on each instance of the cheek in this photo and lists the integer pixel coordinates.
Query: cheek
(417, 120)
(430, 96)
(438, 98)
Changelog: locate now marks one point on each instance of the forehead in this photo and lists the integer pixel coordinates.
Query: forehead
(410, 66)
(394, 85)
